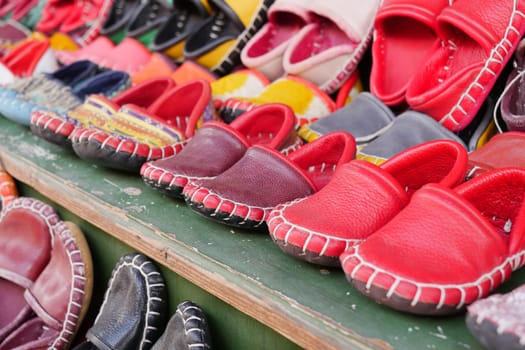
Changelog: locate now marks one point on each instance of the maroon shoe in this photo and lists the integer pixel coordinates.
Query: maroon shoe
(361, 198)
(217, 146)
(244, 195)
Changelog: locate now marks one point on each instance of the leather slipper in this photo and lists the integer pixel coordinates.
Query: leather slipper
(218, 42)
(118, 19)
(158, 66)
(217, 146)
(134, 311)
(502, 151)
(8, 191)
(465, 63)
(497, 321)
(407, 130)
(328, 50)
(244, 83)
(512, 99)
(365, 118)
(315, 230)
(472, 241)
(244, 194)
(185, 19)
(135, 135)
(405, 32)
(27, 230)
(187, 329)
(59, 297)
(308, 102)
(265, 50)
(95, 111)
(93, 52)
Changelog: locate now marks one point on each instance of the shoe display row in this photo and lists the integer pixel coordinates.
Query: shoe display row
(380, 138)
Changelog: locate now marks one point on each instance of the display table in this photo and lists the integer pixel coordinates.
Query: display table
(244, 272)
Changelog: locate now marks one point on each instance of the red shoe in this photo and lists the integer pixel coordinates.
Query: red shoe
(263, 178)
(464, 65)
(447, 248)
(360, 199)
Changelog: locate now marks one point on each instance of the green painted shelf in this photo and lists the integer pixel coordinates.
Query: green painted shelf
(314, 308)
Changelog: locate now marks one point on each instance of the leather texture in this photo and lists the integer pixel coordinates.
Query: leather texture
(366, 117)
(405, 32)
(263, 178)
(502, 150)
(360, 199)
(187, 329)
(477, 38)
(133, 314)
(26, 231)
(512, 106)
(443, 259)
(217, 146)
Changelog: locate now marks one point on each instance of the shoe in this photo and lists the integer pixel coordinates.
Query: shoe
(360, 199)
(502, 151)
(95, 111)
(187, 328)
(94, 52)
(86, 20)
(405, 33)
(512, 103)
(217, 43)
(471, 243)
(244, 194)
(464, 65)
(119, 18)
(27, 228)
(497, 322)
(365, 118)
(146, 21)
(407, 130)
(307, 101)
(159, 66)
(134, 311)
(328, 50)
(135, 135)
(243, 83)
(216, 146)
(60, 296)
(265, 50)
(129, 56)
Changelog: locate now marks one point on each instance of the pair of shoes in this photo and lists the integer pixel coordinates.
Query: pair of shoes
(218, 41)
(46, 277)
(135, 135)
(129, 55)
(448, 66)
(320, 41)
(217, 146)
(378, 132)
(29, 57)
(95, 111)
(185, 19)
(244, 194)
(8, 191)
(133, 314)
(308, 102)
(61, 91)
(497, 321)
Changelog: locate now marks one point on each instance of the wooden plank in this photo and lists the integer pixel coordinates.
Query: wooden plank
(315, 308)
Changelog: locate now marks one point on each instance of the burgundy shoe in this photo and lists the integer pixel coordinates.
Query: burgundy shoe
(361, 198)
(59, 297)
(244, 195)
(217, 146)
